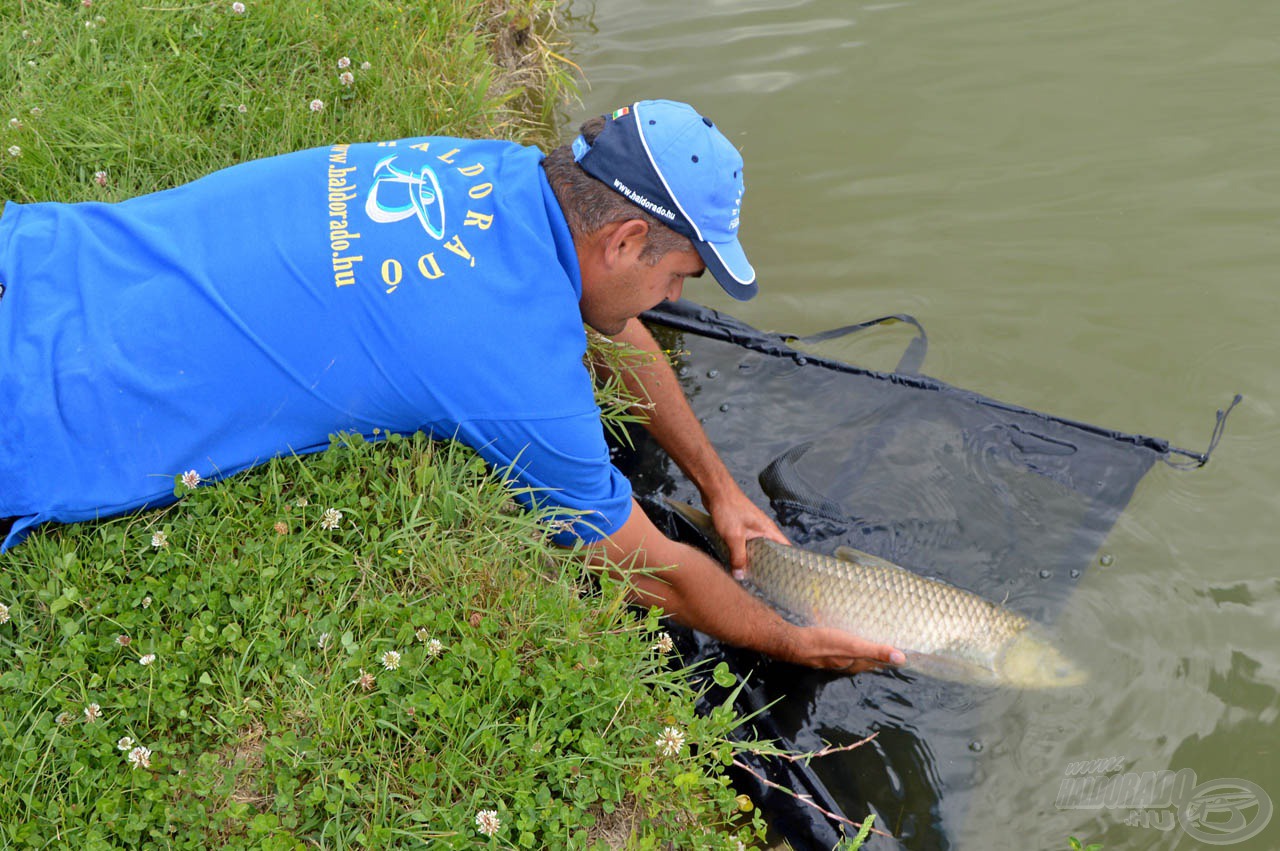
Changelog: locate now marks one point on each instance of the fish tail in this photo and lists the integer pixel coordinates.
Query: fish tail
(701, 521)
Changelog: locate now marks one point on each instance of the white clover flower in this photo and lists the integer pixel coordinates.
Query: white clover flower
(323, 642)
(15, 151)
(488, 823)
(366, 680)
(124, 744)
(421, 634)
(391, 660)
(301, 502)
(191, 479)
(100, 178)
(670, 742)
(64, 719)
(4, 613)
(35, 111)
(123, 640)
(365, 66)
(242, 109)
(159, 540)
(146, 602)
(346, 78)
(317, 105)
(89, 25)
(15, 123)
(238, 8)
(92, 712)
(664, 644)
(344, 62)
(148, 659)
(332, 519)
(434, 648)
(140, 757)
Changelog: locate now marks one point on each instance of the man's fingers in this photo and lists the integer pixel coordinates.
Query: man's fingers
(874, 658)
(738, 557)
(886, 655)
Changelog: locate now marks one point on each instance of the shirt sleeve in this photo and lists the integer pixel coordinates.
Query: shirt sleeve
(560, 465)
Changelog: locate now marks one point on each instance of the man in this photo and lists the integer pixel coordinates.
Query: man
(427, 283)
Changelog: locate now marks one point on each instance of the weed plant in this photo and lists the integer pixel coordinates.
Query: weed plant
(365, 648)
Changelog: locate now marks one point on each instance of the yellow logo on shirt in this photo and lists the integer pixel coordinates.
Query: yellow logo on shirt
(397, 192)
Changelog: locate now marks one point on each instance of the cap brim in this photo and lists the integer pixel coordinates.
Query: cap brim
(728, 264)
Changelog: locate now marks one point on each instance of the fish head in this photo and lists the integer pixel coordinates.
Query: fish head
(1030, 661)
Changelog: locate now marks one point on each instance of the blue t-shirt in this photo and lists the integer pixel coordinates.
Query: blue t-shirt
(426, 283)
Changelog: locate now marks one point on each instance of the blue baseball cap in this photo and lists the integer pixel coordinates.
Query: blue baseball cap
(667, 159)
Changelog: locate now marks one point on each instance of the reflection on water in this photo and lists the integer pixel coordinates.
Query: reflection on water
(1079, 201)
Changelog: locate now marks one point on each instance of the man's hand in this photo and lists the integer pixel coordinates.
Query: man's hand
(837, 650)
(698, 593)
(737, 519)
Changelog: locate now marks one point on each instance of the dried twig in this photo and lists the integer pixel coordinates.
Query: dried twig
(827, 751)
(806, 799)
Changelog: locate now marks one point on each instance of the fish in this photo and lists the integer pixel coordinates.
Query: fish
(944, 631)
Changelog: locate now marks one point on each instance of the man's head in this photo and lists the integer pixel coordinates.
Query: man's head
(655, 183)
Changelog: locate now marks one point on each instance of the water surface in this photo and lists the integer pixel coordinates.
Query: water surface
(1080, 201)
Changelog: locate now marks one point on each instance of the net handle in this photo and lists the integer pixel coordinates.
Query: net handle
(912, 359)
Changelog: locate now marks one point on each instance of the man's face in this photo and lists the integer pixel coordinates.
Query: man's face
(634, 287)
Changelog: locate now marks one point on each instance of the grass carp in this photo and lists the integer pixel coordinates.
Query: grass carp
(944, 631)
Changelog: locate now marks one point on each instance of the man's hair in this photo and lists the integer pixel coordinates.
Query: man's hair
(589, 204)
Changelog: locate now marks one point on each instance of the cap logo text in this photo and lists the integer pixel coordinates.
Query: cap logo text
(637, 198)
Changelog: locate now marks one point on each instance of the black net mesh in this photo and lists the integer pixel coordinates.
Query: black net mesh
(1006, 502)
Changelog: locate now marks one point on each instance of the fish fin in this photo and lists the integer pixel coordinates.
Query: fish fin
(949, 668)
(858, 557)
(700, 519)
(866, 560)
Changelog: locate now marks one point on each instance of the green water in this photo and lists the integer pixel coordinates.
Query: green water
(1080, 201)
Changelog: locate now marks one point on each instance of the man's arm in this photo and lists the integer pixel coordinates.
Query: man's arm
(696, 592)
(672, 423)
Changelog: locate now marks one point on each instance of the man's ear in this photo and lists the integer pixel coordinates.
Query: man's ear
(625, 241)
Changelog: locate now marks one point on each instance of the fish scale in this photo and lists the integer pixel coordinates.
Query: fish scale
(944, 631)
(863, 596)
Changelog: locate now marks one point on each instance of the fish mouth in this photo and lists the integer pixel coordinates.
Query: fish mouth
(1029, 661)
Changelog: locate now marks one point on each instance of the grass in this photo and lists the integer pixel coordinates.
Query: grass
(274, 710)
(158, 94)
(221, 672)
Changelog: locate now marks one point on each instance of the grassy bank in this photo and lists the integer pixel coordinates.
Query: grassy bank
(368, 648)
(158, 94)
